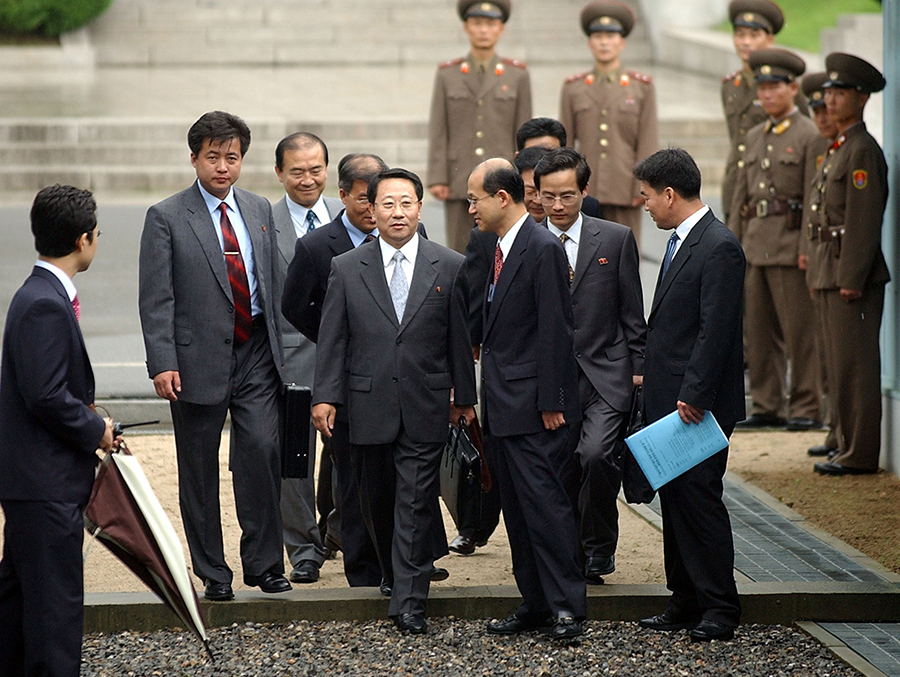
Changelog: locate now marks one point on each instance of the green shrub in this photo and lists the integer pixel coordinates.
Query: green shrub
(48, 17)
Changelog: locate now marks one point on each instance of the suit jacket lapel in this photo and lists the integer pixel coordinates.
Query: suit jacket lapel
(201, 223)
(587, 249)
(423, 277)
(681, 258)
(372, 274)
(284, 227)
(340, 239)
(57, 285)
(508, 272)
(256, 225)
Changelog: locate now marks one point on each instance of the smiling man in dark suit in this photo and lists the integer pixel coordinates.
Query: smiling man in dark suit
(610, 332)
(209, 295)
(48, 438)
(393, 343)
(304, 294)
(301, 165)
(529, 396)
(694, 364)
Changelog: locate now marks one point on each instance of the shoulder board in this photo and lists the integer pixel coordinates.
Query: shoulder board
(452, 62)
(580, 76)
(634, 75)
(513, 62)
(731, 76)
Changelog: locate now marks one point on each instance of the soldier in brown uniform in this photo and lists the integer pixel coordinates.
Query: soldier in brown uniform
(477, 105)
(847, 270)
(814, 92)
(767, 214)
(610, 114)
(755, 24)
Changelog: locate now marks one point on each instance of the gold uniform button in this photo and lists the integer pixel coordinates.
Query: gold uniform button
(604, 142)
(762, 185)
(603, 111)
(742, 147)
(604, 127)
(480, 118)
(814, 207)
(480, 102)
(479, 134)
(770, 147)
(741, 164)
(602, 156)
(479, 152)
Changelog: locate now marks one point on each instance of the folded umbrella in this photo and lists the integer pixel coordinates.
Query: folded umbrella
(125, 515)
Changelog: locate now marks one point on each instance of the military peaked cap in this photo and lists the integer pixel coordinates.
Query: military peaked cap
(851, 72)
(763, 14)
(495, 9)
(607, 16)
(776, 65)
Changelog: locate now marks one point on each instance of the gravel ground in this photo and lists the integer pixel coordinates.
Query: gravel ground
(455, 647)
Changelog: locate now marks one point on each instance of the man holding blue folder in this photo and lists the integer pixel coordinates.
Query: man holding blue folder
(694, 364)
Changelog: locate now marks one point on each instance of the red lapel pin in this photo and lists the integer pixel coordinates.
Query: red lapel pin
(602, 262)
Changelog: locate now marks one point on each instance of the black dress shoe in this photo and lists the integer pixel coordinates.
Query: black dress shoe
(439, 574)
(832, 468)
(565, 628)
(305, 572)
(414, 624)
(669, 621)
(386, 588)
(462, 545)
(515, 624)
(218, 592)
(710, 630)
(270, 582)
(757, 421)
(800, 423)
(597, 567)
(821, 450)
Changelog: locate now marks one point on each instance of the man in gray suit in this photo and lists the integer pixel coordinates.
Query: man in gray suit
(393, 342)
(610, 333)
(209, 297)
(301, 164)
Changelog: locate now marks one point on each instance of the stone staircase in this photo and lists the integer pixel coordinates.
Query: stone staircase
(291, 32)
(157, 61)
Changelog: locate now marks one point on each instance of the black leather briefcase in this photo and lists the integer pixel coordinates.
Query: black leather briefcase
(295, 431)
(461, 478)
(635, 485)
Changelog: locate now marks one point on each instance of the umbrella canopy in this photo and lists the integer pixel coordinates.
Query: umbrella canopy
(126, 516)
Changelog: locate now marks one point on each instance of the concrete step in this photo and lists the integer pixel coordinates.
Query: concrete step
(141, 32)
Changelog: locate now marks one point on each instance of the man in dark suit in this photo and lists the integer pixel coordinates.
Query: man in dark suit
(529, 398)
(49, 434)
(301, 165)
(209, 294)
(610, 334)
(393, 343)
(694, 364)
(304, 294)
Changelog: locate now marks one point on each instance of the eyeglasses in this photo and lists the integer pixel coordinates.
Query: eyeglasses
(567, 200)
(390, 205)
(473, 202)
(362, 201)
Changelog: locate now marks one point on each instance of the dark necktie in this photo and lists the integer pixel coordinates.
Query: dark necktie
(670, 253)
(498, 262)
(310, 221)
(237, 277)
(368, 238)
(564, 238)
(76, 306)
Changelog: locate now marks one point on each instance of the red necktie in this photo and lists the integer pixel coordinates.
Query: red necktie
(498, 262)
(237, 277)
(368, 238)
(76, 306)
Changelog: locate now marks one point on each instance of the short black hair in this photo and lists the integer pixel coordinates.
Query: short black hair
(670, 168)
(59, 216)
(537, 127)
(559, 160)
(358, 167)
(529, 158)
(394, 173)
(296, 141)
(218, 126)
(504, 177)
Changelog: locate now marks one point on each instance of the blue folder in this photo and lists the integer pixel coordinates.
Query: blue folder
(668, 447)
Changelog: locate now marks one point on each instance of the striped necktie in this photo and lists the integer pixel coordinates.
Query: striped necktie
(237, 277)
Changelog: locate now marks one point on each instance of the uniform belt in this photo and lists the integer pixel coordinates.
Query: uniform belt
(776, 207)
